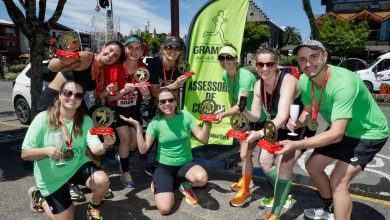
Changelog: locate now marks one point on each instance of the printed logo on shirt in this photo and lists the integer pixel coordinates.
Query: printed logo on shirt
(354, 159)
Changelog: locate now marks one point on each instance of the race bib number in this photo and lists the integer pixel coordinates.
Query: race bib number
(126, 103)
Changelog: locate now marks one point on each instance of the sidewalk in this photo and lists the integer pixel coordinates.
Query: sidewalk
(138, 203)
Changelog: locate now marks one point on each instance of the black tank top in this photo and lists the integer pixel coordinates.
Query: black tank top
(83, 77)
(273, 104)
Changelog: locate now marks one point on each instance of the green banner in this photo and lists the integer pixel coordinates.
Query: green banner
(218, 22)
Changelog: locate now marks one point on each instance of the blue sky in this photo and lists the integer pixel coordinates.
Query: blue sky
(78, 14)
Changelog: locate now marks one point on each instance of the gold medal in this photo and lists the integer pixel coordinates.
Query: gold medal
(270, 132)
(239, 122)
(313, 125)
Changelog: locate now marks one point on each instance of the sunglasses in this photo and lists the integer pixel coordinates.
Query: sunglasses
(163, 101)
(227, 57)
(70, 93)
(172, 48)
(268, 64)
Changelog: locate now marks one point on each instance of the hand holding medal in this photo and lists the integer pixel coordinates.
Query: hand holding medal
(239, 122)
(102, 118)
(141, 75)
(184, 68)
(208, 107)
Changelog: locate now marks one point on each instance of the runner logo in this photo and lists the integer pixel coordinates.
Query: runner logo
(354, 159)
(218, 21)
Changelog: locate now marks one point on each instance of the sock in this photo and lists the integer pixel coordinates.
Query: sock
(92, 205)
(271, 176)
(282, 189)
(328, 204)
(246, 182)
(186, 185)
(124, 164)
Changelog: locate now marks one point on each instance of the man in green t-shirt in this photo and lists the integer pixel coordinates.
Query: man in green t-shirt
(355, 134)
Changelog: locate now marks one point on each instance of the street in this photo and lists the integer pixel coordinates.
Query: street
(371, 187)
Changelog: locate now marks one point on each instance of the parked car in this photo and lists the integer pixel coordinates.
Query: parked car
(376, 73)
(294, 70)
(353, 64)
(21, 96)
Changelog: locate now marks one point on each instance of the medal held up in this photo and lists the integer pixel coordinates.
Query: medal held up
(184, 68)
(141, 75)
(70, 45)
(102, 118)
(208, 107)
(239, 122)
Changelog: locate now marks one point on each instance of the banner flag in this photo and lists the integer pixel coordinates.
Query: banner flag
(217, 23)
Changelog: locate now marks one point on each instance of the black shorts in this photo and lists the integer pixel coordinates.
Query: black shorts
(168, 178)
(60, 200)
(127, 112)
(353, 151)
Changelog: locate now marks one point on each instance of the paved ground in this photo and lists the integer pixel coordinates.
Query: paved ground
(138, 203)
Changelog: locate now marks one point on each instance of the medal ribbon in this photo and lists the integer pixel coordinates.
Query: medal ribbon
(234, 86)
(315, 109)
(68, 141)
(272, 95)
(98, 77)
(132, 76)
(165, 75)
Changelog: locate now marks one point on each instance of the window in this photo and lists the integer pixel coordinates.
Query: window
(11, 44)
(11, 31)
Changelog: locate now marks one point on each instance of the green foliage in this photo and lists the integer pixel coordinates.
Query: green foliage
(17, 68)
(10, 75)
(291, 35)
(342, 38)
(255, 34)
(153, 43)
(252, 69)
(287, 60)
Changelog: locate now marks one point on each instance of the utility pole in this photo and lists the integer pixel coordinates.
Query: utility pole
(175, 18)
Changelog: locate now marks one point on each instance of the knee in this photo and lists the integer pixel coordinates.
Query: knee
(101, 180)
(265, 166)
(200, 179)
(309, 165)
(164, 209)
(338, 185)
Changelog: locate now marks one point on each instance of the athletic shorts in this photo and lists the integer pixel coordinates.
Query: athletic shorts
(352, 150)
(127, 112)
(168, 178)
(60, 200)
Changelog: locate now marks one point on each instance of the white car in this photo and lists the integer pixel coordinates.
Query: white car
(21, 96)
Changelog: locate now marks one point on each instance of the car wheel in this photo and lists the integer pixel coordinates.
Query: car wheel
(369, 86)
(23, 111)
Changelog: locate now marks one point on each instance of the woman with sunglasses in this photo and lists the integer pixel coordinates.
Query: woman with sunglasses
(87, 70)
(276, 92)
(173, 128)
(127, 102)
(240, 83)
(164, 73)
(62, 133)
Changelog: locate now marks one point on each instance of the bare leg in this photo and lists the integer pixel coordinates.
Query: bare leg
(340, 180)
(197, 176)
(98, 182)
(164, 202)
(67, 214)
(315, 166)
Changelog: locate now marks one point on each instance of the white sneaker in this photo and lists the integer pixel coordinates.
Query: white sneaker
(318, 213)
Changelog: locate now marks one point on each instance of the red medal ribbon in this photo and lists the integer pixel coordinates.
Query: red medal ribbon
(98, 81)
(68, 141)
(126, 73)
(165, 75)
(272, 95)
(315, 109)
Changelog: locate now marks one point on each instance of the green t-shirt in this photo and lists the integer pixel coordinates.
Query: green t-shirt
(48, 176)
(245, 82)
(173, 135)
(346, 96)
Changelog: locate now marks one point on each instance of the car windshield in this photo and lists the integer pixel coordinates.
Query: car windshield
(373, 62)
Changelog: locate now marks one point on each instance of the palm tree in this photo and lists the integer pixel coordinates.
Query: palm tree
(315, 33)
(291, 35)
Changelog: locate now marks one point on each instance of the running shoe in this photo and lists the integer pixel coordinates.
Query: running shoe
(238, 185)
(240, 198)
(93, 213)
(75, 193)
(109, 194)
(269, 202)
(127, 182)
(271, 216)
(318, 213)
(189, 194)
(35, 201)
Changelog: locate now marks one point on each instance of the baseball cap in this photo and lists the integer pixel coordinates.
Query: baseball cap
(132, 38)
(312, 44)
(172, 41)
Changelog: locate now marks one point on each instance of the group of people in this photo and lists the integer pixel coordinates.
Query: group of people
(353, 138)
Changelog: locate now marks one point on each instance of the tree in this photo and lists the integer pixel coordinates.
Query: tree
(341, 38)
(36, 30)
(315, 33)
(153, 43)
(255, 34)
(291, 35)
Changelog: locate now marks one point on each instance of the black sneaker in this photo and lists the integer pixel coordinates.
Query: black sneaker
(149, 170)
(75, 193)
(93, 213)
(109, 194)
(35, 202)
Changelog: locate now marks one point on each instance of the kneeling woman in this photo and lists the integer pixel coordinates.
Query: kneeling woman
(66, 120)
(172, 127)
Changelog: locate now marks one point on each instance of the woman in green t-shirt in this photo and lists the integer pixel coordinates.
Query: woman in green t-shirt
(173, 128)
(57, 141)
